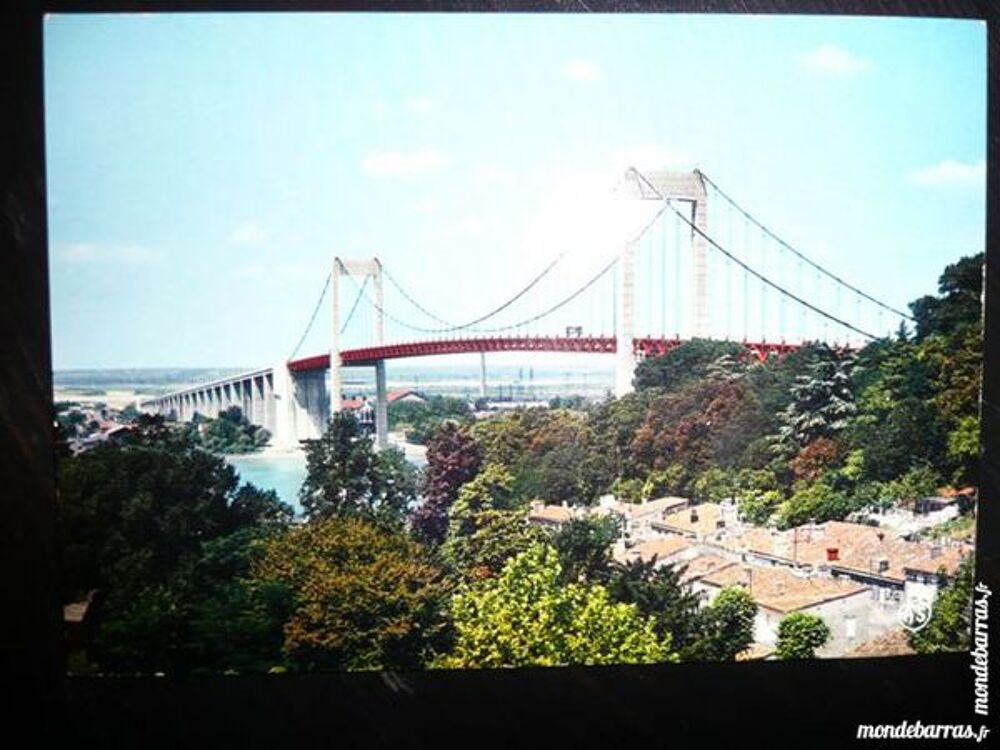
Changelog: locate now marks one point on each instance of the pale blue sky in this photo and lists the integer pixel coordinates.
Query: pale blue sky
(204, 169)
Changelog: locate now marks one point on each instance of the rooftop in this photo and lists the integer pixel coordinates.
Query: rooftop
(781, 590)
(698, 520)
(661, 547)
(703, 565)
(658, 507)
(852, 547)
(893, 643)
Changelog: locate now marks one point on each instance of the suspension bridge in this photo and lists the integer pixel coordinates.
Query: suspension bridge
(674, 277)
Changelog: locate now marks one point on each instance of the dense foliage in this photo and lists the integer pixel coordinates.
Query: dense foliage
(345, 476)
(159, 528)
(419, 420)
(364, 597)
(528, 617)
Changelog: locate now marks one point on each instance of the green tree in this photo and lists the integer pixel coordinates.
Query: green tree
(963, 450)
(918, 482)
(822, 403)
(887, 439)
(714, 485)
(421, 420)
(365, 597)
(959, 302)
(726, 627)
(800, 634)
(487, 525)
(482, 542)
(693, 360)
(203, 620)
(491, 489)
(345, 476)
(232, 432)
(528, 617)
(659, 593)
(671, 480)
(614, 422)
(757, 507)
(950, 624)
(584, 547)
(814, 502)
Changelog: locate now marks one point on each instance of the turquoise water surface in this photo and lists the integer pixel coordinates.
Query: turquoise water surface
(282, 473)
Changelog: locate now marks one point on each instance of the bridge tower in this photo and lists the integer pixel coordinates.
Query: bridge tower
(673, 187)
(370, 267)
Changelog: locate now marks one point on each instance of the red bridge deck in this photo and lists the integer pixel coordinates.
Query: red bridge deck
(650, 347)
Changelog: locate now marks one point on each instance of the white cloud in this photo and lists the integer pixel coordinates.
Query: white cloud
(88, 252)
(833, 60)
(250, 233)
(401, 164)
(581, 70)
(950, 172)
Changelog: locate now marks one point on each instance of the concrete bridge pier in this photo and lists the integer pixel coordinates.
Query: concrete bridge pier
(301, 406)
(625, 362)
(381, 407)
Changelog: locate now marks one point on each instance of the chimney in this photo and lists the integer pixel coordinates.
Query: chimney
(694, 515)
(832, 554)
(935, 551)
(883, 564)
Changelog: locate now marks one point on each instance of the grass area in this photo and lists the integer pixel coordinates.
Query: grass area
(961, 528)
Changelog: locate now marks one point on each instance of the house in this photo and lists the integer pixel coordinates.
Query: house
(698, 521)
(638, 519)
(890, 565)
(779, 591)
(361, 408)
(664, 549)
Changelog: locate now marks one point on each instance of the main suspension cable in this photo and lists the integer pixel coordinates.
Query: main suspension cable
(750, 270)
(799, 254)
(312, 318)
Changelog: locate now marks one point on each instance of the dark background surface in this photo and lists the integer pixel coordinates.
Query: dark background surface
(751, 705)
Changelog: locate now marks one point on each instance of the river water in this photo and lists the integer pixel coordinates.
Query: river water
(281, 472)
